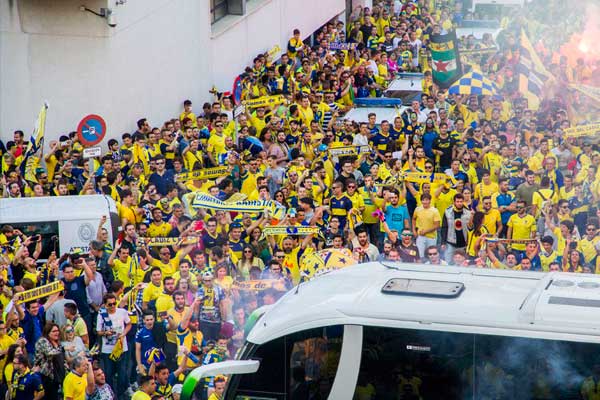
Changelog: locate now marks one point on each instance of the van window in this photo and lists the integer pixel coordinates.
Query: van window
(48, 232)
(411, 364)
(300, 366)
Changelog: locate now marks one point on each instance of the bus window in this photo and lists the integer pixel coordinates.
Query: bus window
(521, 368)
(413, 365)
(49, 236)
(300, 366)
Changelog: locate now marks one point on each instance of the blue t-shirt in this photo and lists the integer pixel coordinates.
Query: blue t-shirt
(395, 216)
(146, 340)
(28, 384)
(428, 138)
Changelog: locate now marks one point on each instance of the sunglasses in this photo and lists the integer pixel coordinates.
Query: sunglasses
(110, 305)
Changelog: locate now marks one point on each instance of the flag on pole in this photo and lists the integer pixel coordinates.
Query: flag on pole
(31, 160)
(531, 73)
(445, 60)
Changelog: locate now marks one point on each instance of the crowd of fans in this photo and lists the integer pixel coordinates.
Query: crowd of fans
(516, 194)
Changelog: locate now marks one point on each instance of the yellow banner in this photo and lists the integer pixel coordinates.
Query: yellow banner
(275, 209)
(171, 241)
(515, 241)
(259, 284)
(290, 230)
(349, 150)
(583, 130)
(265, 101)
(273, 52)
(442, 46)
(207, 173)
(418, 177)
(39, 292)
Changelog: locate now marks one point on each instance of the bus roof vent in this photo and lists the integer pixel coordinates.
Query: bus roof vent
(588, 285)
(424, 288)
(563, 283)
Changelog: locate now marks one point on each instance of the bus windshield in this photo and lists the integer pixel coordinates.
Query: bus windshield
(410, 364)
(298, 366)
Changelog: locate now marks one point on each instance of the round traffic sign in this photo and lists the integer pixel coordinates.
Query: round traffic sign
(91, 130)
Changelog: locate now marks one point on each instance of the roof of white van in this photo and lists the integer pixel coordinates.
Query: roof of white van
(557, 306)
(34, 209)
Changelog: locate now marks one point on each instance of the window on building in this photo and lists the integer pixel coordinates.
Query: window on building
(218, 9)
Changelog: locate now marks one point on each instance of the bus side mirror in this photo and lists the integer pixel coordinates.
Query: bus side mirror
(221, 368)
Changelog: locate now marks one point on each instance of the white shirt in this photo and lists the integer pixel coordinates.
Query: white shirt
(119, 319)
(360, 140)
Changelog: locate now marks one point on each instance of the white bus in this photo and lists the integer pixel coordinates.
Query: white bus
(402, 331)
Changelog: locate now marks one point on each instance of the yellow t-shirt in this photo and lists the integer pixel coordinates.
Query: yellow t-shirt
(177, 317)
(139, 395)
(159, 230)
(164, 303)
(482, 190)
(166, 269)
(151, 292)
(426, 218)
(5, 342)
(189, 115)
(216, 145)
(127, 213)
(588, 248)
(540, 197)
(444, 200)
(74, 386)
(490, 221)
(493, 162)
(522, 228)
(192, 279)
(51, 166)
(121, 270)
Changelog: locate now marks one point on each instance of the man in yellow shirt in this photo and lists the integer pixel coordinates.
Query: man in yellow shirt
(521, 226)
(187, 113)
(492, 219)
(174, 317)
(190, 336)
(216, 142)
(80, 381)
(426, 221)
(169, 265)
(123, 266)
(164, 302)
(158, 227)
(249, 177)
(147, 386)
(153, 290)
(485, 188)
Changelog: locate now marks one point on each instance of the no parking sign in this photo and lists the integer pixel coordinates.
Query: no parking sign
(91, 130)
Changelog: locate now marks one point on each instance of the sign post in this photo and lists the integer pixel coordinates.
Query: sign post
(90, 131)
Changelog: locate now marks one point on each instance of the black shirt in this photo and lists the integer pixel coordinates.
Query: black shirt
(409, 254)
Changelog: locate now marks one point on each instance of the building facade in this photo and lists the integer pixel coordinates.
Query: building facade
(128, 59)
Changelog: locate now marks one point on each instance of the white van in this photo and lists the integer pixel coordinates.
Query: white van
(65, 223)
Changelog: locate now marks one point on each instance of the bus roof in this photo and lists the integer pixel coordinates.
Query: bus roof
(558, 306)
(54, 208)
